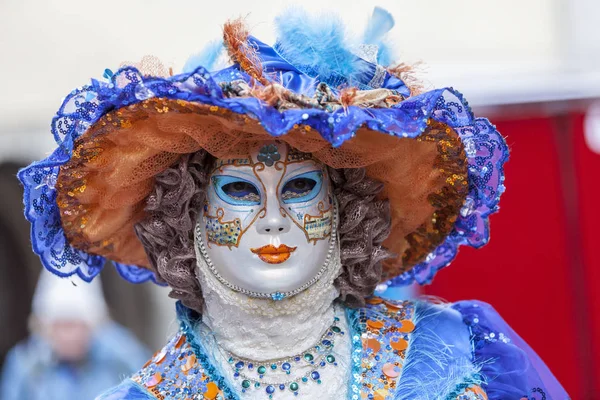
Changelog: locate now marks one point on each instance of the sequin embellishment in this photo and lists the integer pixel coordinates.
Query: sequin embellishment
(175, 374)
(474, 392)
(269, 155)
(385, 328)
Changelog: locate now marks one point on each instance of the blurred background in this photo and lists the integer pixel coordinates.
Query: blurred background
(531, 66)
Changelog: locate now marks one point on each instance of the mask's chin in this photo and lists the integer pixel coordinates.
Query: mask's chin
(259, 275)
(266, 276)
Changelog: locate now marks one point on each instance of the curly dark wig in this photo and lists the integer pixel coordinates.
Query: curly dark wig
(167, 232)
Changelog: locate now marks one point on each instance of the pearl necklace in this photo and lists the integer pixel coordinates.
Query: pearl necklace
(318, 356)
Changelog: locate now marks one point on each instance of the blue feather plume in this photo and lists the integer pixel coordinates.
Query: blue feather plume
(381, 22)
(129, 390)
(438, 358)
(206, 58)
(379, 25)
(317, 45)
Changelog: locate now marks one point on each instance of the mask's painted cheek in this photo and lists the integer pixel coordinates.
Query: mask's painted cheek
(232, 205)
(318, 227)
(310, 205)
(220, 232)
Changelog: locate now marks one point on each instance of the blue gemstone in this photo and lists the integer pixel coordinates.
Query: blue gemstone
(270, 389)
(315, 375)
(286, 366)
(297, 359)
(326, 342)
(239, 364)
(282, 387)
(277, 296)
(250, 366)
(273, 366)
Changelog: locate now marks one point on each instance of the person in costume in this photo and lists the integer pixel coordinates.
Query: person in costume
(74, 351)
(273, 195)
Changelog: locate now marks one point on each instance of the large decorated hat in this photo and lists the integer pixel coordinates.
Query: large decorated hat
(314, 89)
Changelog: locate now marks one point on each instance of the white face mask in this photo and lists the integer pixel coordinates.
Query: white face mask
(267, 222)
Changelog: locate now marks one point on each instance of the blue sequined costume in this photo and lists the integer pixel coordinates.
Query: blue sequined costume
(462, 351)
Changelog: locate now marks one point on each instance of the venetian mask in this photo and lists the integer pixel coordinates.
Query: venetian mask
(267, 228)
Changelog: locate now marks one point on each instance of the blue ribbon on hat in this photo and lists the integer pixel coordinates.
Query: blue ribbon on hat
(302, 81)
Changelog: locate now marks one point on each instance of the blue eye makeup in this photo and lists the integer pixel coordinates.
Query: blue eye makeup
(302, 188)
(236, 191)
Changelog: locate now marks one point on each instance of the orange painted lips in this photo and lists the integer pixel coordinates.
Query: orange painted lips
(274, 255)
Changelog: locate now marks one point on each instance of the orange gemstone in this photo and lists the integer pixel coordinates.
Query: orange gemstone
(155, 380)
(372, 344)
(390, 371)
(393, 306)
(212, 391)
(407, 326)
(180, 341)
(479, 391)
(374, 324)
(160, 357)
(189, 363)
(399, 344)
(375, 300)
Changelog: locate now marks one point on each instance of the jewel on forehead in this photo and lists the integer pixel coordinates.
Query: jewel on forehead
(268, 154)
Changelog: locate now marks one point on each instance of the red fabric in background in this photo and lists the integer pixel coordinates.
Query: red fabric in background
(524, 272)
(587, 163)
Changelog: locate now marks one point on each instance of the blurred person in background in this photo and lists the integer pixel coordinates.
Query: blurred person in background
(74, 350)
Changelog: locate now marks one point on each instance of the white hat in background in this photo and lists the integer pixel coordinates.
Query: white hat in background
(69, 298)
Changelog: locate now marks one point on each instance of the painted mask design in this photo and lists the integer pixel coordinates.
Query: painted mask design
(268, 220)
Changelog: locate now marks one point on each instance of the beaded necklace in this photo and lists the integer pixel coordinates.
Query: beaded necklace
(251, 373)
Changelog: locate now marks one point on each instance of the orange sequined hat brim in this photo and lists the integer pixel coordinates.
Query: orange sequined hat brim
(101, 190)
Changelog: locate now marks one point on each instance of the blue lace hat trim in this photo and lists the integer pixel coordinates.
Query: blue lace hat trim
(486, 151)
